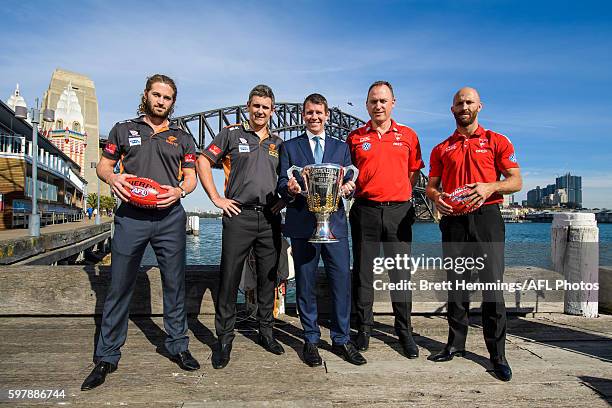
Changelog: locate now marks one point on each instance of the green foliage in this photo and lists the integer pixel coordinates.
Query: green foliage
(106, 202)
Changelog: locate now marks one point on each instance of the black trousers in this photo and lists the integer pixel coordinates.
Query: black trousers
(134, 229)
(480, 234)
(259, 230)
(372, 225)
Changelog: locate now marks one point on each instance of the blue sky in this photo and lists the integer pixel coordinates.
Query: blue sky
(542, 67)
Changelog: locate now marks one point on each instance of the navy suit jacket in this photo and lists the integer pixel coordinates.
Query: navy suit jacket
(299, 222)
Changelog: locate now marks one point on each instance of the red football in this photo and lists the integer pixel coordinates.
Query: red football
(144, 192)
(459, 202)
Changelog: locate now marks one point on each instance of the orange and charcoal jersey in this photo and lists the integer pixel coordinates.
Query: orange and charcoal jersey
(160, 156)
(251, 165)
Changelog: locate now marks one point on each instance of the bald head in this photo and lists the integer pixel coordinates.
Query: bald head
(467, 92)
(466, 105)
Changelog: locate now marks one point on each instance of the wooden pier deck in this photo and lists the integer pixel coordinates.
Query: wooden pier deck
(557, 360)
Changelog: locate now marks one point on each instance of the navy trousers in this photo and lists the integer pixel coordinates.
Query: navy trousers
(134, 229)
(337, 266)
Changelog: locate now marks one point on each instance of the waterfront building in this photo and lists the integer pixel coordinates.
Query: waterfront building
(573, 188)
(67, 132)
(73, 95)
(566, 192)
(61, 189)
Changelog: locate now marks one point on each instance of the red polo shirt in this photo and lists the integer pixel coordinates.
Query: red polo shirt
(384, 161)
(481, 157)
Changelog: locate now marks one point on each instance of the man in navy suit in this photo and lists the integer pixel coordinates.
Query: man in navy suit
(314, 147)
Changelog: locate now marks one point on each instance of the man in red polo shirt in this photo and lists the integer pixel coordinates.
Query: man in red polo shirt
(388, 156)
(478, 158)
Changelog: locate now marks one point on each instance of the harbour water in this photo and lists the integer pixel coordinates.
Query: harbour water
(528, 244)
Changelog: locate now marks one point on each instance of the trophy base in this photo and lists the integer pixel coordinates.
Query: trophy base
(322, 233)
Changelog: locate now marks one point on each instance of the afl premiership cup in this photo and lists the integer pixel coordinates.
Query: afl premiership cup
(322, 184)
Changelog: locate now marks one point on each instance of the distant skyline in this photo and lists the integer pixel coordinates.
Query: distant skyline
(542, 68)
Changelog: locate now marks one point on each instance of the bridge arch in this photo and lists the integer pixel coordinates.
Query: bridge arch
(287, 122)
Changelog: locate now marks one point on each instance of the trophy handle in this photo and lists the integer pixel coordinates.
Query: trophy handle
(300, 170)
(294, 168)
(355, 172)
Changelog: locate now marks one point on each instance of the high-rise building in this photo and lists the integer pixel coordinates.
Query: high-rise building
(67, 130)
(534, 197)
(573, 188)
(73, 97)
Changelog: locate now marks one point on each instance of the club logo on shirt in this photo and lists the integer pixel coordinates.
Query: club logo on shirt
(134, 133)
(398, 136)
(243, 140)
(272, 150)
(190, 158)
(366, 146)
(482, 142)
(171, 140)
(512, 157)
(214, 149)
(110, 148)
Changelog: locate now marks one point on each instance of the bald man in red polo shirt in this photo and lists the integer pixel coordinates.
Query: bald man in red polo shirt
(388, 157)
(478, 158)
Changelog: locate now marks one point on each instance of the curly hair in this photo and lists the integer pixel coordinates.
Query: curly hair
(164, 79)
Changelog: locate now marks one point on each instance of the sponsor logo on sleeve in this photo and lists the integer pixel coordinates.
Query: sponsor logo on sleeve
(512, 157)
(110, 148)
(214, 149)
(190, 158)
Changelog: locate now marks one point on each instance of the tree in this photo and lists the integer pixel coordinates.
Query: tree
(106, 202)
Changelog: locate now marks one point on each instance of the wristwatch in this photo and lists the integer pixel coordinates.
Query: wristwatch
(183, 192)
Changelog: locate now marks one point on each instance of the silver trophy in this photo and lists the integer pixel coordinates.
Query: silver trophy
(322, 184)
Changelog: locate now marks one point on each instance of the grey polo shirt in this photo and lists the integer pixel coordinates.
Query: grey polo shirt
(251, 165)
(160, 156)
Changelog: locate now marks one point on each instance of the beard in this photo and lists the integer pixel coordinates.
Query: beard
(463, 122)
(149, 111)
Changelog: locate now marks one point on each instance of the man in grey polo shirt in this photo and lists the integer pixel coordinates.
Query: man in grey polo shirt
(249, 154)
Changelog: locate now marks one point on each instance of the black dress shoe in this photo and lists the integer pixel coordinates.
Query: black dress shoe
(447, 355)
(186, 361)
(270, 344)
(362, 342)
(349, 352)
(410, 348)
(311, 355)
(221, 355)
(502, 371)
(98, 375)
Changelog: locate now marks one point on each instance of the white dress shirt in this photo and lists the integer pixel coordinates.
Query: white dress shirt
(313, 143)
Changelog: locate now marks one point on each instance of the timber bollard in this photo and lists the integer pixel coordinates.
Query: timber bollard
(575, 254)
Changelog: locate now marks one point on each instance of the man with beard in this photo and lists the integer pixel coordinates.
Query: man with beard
(315, 147)
(249, 154)
(388, 156)
(148, 146)
(477, 158)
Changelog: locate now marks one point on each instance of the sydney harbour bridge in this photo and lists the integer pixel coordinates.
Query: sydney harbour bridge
(287, 122)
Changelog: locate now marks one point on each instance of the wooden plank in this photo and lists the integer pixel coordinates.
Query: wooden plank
(81, 290)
